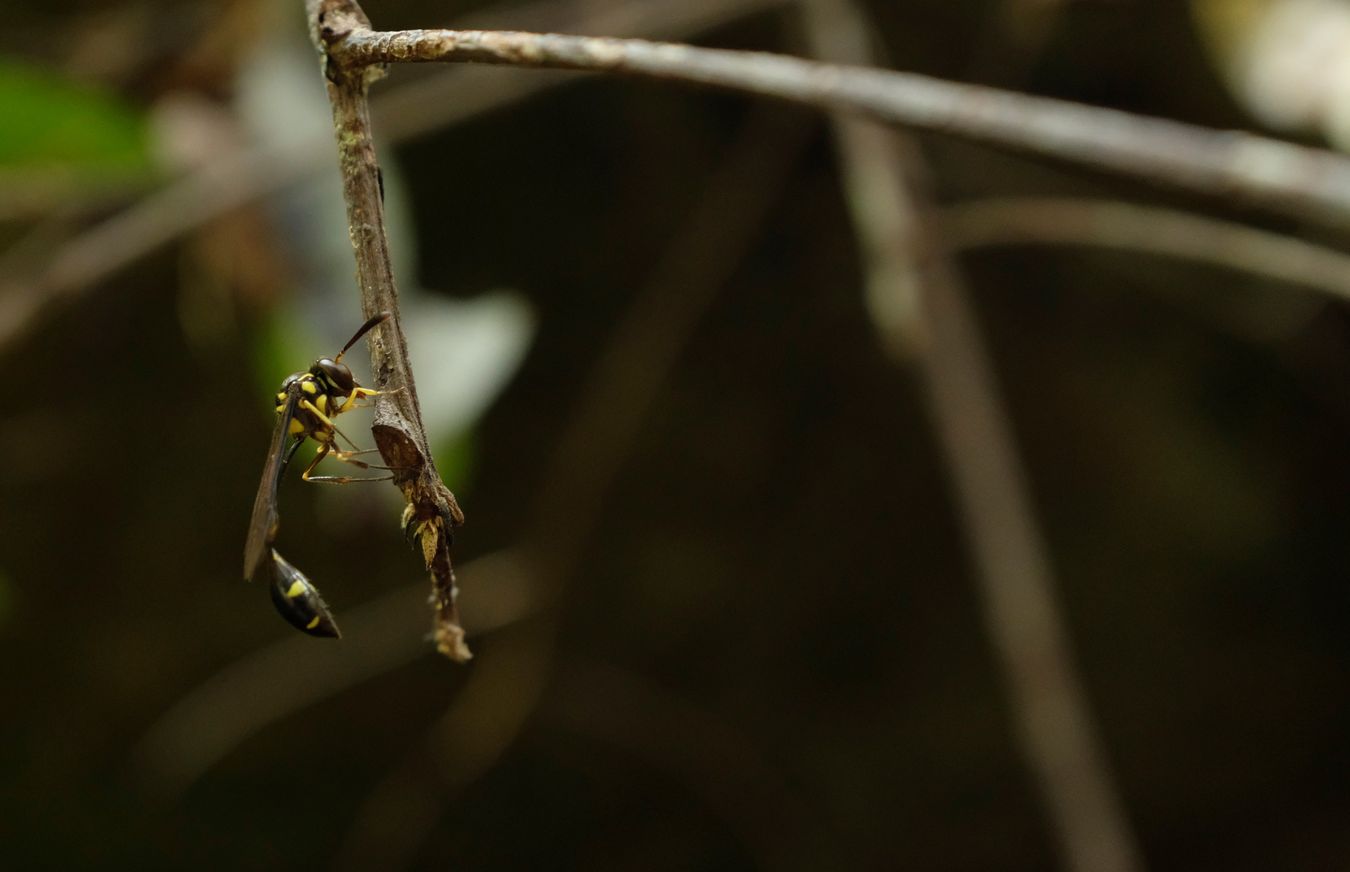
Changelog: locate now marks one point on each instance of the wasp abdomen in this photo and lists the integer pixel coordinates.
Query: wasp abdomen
(298, 600)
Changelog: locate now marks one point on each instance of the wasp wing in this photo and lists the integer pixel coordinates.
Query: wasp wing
(262, 528)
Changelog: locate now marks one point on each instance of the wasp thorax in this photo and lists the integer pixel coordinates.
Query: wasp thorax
(286, 386)
(336, 377)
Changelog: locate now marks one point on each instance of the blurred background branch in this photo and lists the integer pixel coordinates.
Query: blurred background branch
(922, 311)
(400, 113)
(1133, 227)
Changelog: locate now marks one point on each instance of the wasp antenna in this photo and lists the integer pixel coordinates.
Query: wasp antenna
(374, 321)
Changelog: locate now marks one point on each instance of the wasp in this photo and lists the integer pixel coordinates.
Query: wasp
(306, 406)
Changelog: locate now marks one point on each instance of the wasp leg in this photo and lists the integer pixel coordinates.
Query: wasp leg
(353, 400)
(324, 450)
(346, 479)
(347, 457)
(327, 422)
(356, 394)
(299, 602)
(318, 413)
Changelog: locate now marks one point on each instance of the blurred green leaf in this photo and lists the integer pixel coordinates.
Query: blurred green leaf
(54, 123)
(454, 460)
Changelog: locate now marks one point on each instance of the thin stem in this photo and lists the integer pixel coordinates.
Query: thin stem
(398, 429)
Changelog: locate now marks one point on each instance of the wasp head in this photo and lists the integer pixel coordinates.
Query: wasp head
(335, 377)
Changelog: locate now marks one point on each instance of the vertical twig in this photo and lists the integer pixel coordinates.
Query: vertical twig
(432, 512)
(1015, 582)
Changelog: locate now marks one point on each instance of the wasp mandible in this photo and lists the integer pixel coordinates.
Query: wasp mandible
(306, 406)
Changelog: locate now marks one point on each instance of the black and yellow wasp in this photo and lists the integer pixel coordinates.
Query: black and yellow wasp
(306, 406)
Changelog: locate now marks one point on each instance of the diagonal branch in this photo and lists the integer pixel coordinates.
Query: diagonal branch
(399, 433)
(1236, 165)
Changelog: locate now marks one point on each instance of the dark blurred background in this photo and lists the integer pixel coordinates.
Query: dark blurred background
(722, 607)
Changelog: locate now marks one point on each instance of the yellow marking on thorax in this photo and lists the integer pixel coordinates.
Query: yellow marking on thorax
(309, 387)
(322, 403)
(296, 427)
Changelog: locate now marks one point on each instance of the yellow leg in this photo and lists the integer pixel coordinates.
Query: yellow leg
(343, 455)
(356, 394)
(349, 457)
(324, 450)
(314, 410)
(327, 421)
(318, 455)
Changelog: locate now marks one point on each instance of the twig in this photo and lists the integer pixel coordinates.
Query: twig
(1150, 229)
(1240, 166)
(434, 101)
(432, 512)
(1016, 588)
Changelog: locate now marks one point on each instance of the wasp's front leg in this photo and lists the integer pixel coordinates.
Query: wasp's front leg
(358, 393)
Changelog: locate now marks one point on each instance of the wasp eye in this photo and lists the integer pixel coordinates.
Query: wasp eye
(334, 375)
